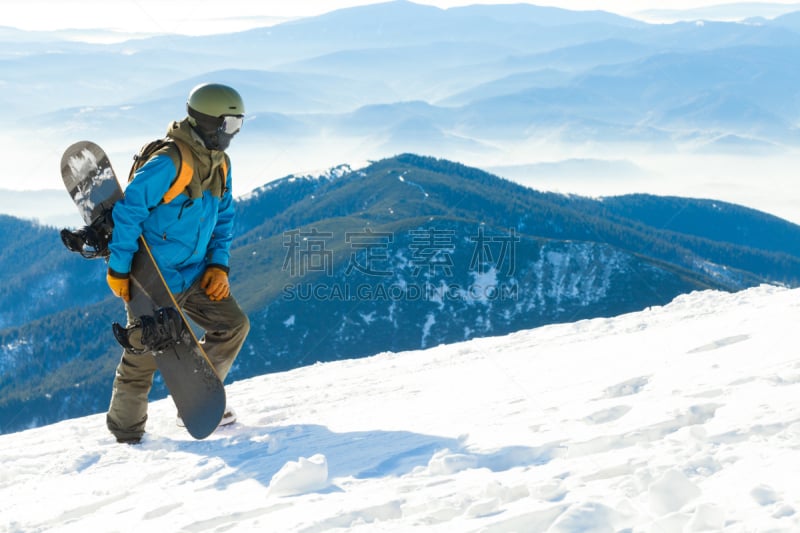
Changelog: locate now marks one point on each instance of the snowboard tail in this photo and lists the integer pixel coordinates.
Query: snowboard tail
(184, 365)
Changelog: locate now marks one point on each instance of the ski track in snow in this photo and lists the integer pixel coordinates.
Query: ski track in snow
(681, 418)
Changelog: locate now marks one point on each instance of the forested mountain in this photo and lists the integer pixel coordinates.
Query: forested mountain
(408, 252)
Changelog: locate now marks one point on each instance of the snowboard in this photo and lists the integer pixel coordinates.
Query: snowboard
(189, 375)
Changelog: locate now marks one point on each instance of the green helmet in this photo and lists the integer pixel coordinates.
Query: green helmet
(215, 100)
(216, 112)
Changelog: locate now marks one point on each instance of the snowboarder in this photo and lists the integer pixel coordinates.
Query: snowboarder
(190, 237)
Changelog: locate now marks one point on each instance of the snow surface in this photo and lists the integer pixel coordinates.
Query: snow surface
(679, 418)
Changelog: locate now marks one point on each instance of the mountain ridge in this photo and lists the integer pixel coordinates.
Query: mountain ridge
(403, 253)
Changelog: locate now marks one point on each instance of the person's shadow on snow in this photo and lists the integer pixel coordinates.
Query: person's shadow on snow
(258, 453)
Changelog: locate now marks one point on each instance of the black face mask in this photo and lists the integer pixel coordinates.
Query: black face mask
(218, 140)
(216, 132)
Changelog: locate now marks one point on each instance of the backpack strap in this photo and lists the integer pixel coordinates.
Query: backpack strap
(144, 155)
(224, 167)
(185, 173)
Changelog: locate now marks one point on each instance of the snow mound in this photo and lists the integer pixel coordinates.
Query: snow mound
(300, 477)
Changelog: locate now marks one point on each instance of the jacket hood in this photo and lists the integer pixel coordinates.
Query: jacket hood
(207, 163)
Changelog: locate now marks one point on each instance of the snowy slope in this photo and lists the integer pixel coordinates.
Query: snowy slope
(681, 418)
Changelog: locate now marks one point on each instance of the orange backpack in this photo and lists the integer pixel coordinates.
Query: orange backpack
(185, 172)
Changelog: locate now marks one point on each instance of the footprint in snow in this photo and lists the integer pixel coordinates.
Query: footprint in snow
(626, 388)
(607, 415)
(765, 495)
(720, 343)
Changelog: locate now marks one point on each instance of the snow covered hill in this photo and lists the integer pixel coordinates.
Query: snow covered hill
(678, 418)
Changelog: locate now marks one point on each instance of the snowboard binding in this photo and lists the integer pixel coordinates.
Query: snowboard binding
(90, 241)
(151, 334)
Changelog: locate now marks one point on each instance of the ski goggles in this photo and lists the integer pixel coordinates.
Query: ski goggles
(231, 124)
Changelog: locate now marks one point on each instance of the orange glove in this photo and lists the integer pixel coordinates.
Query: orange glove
(216, 284)
(120, 284)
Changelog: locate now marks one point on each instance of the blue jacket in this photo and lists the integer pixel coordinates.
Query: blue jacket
(184, 235)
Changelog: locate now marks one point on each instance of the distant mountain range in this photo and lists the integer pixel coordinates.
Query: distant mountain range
(485, 85)
(643, 84)
(407, 253)
(49, 207)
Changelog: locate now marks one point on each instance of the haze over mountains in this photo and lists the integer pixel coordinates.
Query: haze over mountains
(704, 109)
(734, 11)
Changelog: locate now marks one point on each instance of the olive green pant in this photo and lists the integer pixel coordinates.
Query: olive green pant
(226, 327)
